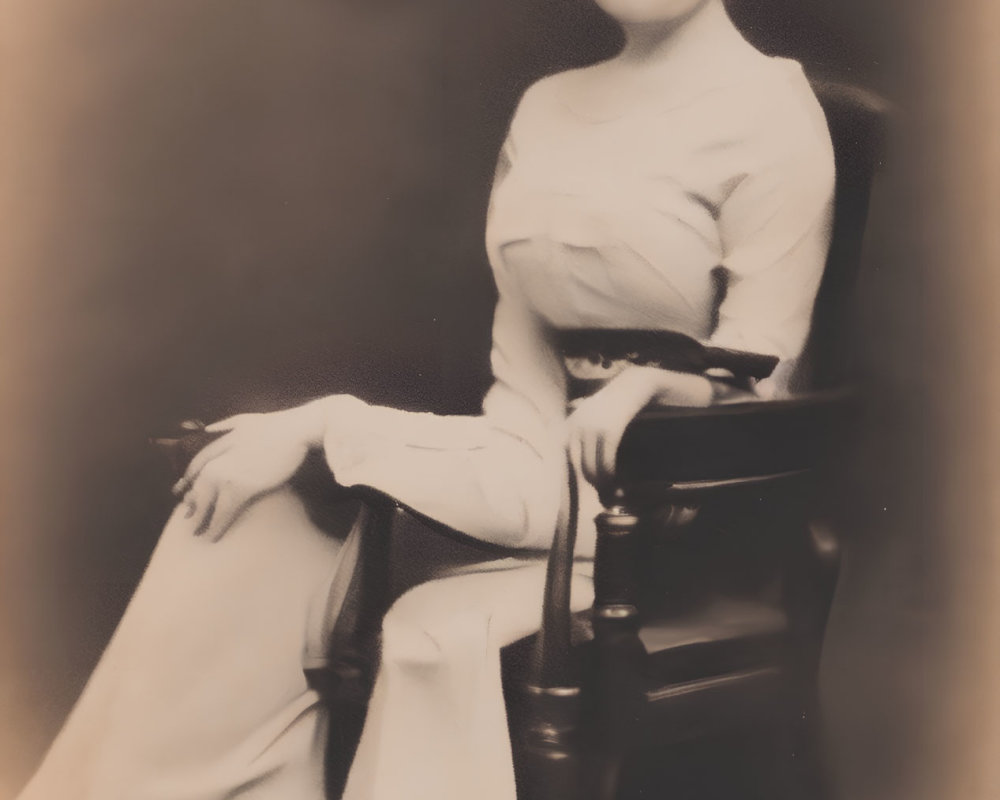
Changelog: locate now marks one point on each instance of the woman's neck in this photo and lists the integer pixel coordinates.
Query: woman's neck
(648, 44)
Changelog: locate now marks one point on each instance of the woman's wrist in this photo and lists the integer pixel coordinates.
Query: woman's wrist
(311, 422)
(678, 388)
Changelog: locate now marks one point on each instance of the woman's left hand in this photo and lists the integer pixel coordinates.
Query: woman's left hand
(597, 423)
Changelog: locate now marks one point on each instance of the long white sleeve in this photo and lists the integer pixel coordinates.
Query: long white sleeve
(495, 477)
(775, 230)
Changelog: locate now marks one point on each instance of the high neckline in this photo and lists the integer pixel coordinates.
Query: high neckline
(690, 59)
(649, 49)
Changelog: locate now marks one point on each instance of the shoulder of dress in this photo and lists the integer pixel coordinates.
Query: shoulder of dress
(784, 109)
(776, 127)
(542, 92)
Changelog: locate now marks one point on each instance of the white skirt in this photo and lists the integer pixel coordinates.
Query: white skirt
(201, 693)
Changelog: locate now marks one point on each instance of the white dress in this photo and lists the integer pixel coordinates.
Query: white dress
(602, 216)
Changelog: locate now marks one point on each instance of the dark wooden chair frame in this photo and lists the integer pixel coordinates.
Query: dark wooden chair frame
(582, 708)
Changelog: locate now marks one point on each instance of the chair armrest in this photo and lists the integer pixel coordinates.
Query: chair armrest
(676, 454)
(740, 440)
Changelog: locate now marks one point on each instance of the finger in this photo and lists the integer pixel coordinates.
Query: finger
(228, 506)
(588, 455)
(189, 505)
(201, 459)
(199, 504)
(204, 511)
(573, 447)
(611, 440)
(228, 423)
(606, 448)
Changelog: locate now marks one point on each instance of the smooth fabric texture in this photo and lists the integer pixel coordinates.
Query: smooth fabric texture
(609, 210)
(436, 725)
(201, 693)
(718, 171)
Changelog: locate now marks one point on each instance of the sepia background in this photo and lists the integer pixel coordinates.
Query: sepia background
(212, 207)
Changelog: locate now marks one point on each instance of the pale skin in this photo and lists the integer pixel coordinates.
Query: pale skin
(258, 453)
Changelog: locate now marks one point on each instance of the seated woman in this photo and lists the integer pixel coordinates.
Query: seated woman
(625, 192)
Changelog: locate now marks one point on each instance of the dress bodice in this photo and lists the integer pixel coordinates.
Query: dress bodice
(614, 221)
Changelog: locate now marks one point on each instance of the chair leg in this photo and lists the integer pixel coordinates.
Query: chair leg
(347, 683)
(346, 688)
(551, 752)
(618, 652)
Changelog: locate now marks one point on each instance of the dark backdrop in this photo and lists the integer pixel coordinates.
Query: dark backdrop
(238, 205)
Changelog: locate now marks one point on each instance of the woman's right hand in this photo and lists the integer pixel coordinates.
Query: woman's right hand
(257, 454)
(597, 423)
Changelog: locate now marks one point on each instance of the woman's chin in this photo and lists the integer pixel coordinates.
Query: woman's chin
(648, 12)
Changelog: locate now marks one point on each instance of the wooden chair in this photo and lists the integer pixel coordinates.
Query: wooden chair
(713, 574)
(672, 649)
